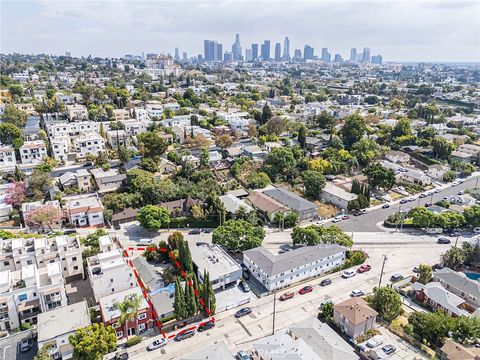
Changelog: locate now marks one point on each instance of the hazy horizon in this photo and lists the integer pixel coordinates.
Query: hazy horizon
(402, 31)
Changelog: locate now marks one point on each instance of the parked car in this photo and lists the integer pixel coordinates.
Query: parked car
(389, 349)
(385, 206)
(25, 345)
(357, 293)
(476, 230)
(156, 344)
(416, 270)
(287, 295)
(69, 232)
(364, 268)
(396, 277)
(195, 231)
(437, 190)
(246, 274)
(116, 227)
(375, 341)
(305, 289)
(428, 204)
(184, 334)
(243, 311)
(207, 325)
(207, 231)
(348, 274)
(461, 192)
(242, 355)
(145, 242)
(200, 243)
(443, 241)
(337, 219)
(345, 217)
(421, 196)
(244, 286)
(121, 355)
(403, 201)
(325, 282)
(437, 267)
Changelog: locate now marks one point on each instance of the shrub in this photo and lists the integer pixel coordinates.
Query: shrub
(133, 341)
(25, 326)
(167, 319)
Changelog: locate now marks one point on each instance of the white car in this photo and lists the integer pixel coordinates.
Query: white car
(348, 274)
(337, 219)
(357, 293)
(156, 344)
(145, 242)
(375, 341)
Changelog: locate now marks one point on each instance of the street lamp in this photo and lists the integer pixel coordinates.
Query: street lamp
(274, 313)
(381, 273)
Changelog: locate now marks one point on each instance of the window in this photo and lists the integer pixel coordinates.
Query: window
(6, 263)
(74, 258)
(113, 290)
(75, 268)
(119, 334)
(142, 316)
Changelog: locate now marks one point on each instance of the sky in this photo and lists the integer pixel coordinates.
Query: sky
(401, 30)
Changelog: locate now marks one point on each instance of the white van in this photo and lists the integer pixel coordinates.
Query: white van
(145, 242)
(375, 341)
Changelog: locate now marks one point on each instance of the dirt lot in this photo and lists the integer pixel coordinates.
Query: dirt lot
(326, 210)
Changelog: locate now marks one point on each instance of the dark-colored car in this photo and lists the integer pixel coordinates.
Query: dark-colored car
(25, 345)
(116, 227)
(443, 241)
(195, 231)
(396, 277)
(244, 286)
(287, 295)
(205, 326)
(385, 206)
(403, 201)
(121, 356)
(427, 205)
(305, 289)
(325, 282)
(69, 232)
(200, 243)
(246, 274)
(185, 334)
(207, 231)
(242, 355)
(243, 312)
(389, 349)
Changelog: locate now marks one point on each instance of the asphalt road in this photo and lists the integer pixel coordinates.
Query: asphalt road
(368, 222)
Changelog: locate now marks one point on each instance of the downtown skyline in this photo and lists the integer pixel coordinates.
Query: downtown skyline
(400, 31)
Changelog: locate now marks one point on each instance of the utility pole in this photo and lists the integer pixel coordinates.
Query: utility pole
(456, 240)
(398, 217)
(383, 266)
(476, 183)
(274, 314)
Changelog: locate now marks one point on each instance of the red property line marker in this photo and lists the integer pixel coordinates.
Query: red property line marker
(145, 293)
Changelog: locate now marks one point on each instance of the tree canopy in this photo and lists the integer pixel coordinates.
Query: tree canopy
(153, 217)
(238, 234)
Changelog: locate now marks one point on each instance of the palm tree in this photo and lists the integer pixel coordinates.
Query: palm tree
(135, 301)
(125, 314)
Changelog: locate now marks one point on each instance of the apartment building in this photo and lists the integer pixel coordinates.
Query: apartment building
(62, 128)
(26, 293)
(60, 146)
(121, 114)
(84, 210)
(280, 271)
(92, 144)
(117, 138)
(76, 112)
(135, 127)
(109, 273)
(83, 180)
(33, 152)
(7, 159)
(459, 284)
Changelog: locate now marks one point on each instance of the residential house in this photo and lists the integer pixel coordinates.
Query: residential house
(121, 114)
(107, 181)
(437, 171)
(461, 156)
(125, 216)
(354, 317)
(305, 209)
(459, 284)
(337, 196)
(83, 180)
(68, 180)
(150, 277)
(33, 152)
(162, 301)
(309, 339)
(267, 206)
(471, 149)
(414, 176)
(222, 269)
(254, 152)
(181, 207)
(109, 273)
(166, 167)
(111, 313)
(280, 271)
(135, 127)
(84, 210)
(436, 296)
(117, 138)
(233, 204)
(55, 327)
(397, 156)
(452, 350)
(7, 159)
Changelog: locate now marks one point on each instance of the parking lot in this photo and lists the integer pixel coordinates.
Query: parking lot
(9, 347)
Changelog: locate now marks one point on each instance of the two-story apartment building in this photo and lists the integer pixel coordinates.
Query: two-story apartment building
(459, 284)
(92, 144)
(76, 112)
(304, 208)
(280, 271)
(84, 210)
(60, 146)
(7, 159)
(121, 114)
(33, 152)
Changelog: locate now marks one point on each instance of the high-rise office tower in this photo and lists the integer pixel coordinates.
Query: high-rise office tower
(266, 50)
(219, 52)
(337, 58)
(325, 55)
(286, 48)
(366, 55)
(353, 54)
(377, 59)
(177, 54)
(278, 52)
(254, 51)
(228, 56)
(236, 48)
(212, 50)
(308, 52)
(185, 57)
(297, 54)
(248, 55)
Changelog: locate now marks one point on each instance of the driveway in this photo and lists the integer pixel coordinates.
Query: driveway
(9, 347)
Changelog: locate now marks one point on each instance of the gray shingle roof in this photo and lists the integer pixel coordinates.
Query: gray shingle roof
(276, 264)
(293, 201)
(458, 280)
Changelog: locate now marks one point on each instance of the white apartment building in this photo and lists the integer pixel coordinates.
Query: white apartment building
(121, 114)
(92, 144)
(84, 210)
(84, 182)
(135, 127)
(55, 129)
(117, 138)
(18, 253)
(27, 292)
(154, 109)
(7, 159)
(109, 273)
(60, 146)
(76, 112)
(280, 271)
(33, 152)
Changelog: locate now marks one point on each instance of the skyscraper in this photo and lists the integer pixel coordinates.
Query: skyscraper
(177, 54)
(337, 58)
(377, 59)
(254, 51)
(286, 48)
(185, 57)
(297, 54)
(325, 55)
(236, 48)
(266, 50)
(353, 55)
(308, 52)
(212, 50)
(228, 56)
(218, 52)
(278, 52)
(366, 56)
(248, 55)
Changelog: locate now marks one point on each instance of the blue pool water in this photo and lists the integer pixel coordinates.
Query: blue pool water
(473, 276)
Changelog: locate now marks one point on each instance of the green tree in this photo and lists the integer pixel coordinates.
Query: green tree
(442, 148)
(257, 180)
(47, 165)
(44, 353)
(422, 217)
(379, 176)
(449, 176)
(223, 141)
(153, 217)
(238, 234)
(14, 116)
(314, 184)
(190, 302)
(266, 113)
(402, 128)
(305, 235)
(466, 329)
(387, 302)
(302, 136)
(353, 130)
(432, 328)
(325, 120)
(327, 310)
(196, 287)
(366, 150)
(179, 305)
(315, 234)
(9, 132)
(204, 157)
(424, 273)
(174, 239)
(280, 161)
(472, 216)
(149, 164)
(39, 184)
(453, 258)
(151, 144)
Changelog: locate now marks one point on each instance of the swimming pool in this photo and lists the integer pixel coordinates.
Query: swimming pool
(473, 276)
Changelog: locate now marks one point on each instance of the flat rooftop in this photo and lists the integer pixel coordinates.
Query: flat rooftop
(213, 259)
